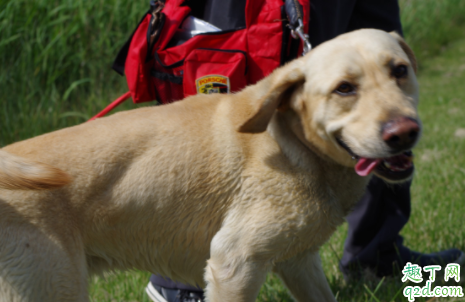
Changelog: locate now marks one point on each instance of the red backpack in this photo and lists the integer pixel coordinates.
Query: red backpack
(166, 62)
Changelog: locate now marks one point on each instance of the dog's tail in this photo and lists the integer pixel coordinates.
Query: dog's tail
(18, 173)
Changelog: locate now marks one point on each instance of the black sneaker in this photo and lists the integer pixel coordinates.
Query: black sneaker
(162, 294)
(359, 272)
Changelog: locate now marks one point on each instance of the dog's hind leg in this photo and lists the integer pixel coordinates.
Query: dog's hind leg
(304, 277)
(35, 266)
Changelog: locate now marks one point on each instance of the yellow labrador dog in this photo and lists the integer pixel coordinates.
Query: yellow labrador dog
(215, 190)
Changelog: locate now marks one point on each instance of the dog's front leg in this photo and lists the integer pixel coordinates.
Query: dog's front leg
(304, 276)
(233, 274)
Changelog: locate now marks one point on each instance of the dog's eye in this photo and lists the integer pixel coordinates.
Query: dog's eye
(345, 89)
(400, 71)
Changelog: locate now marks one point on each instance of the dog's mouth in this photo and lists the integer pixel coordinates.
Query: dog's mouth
(395, 168)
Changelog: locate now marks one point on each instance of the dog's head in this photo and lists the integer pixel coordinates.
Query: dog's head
(355, 98)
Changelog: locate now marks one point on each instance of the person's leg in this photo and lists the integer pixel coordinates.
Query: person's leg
(328, 19)
(373, 241)
(379, 14)
(373, 238)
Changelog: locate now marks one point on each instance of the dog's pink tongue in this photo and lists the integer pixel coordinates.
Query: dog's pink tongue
(364, 165)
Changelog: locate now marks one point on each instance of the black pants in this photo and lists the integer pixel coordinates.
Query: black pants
(373, 238)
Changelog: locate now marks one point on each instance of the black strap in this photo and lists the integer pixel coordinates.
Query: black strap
(285, 41)
(166, 76)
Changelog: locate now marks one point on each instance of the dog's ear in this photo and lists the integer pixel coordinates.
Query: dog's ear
(270, 94)
(406, 49)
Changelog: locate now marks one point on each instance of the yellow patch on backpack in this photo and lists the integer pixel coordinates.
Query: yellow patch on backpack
(212, 83)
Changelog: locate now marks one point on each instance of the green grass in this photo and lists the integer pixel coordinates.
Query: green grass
(55, 59)
(122, 286)
(430, 25)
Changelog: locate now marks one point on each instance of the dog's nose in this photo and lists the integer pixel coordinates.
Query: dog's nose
(400, 133)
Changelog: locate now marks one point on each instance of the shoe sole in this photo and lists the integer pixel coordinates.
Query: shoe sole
(154, 294)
